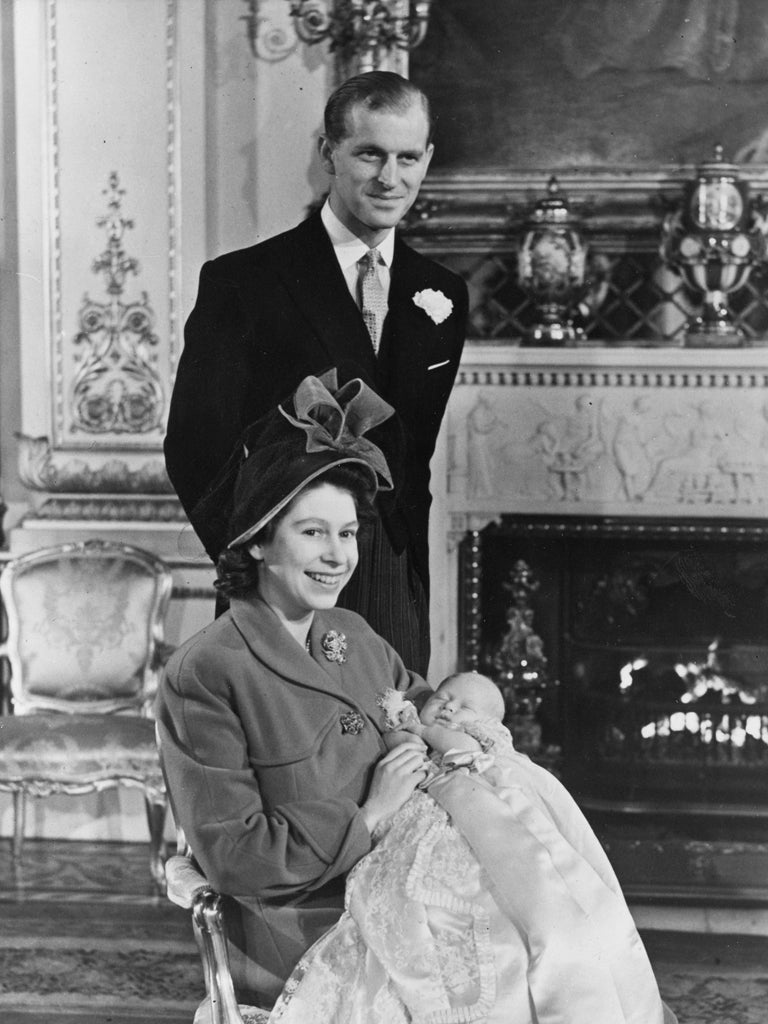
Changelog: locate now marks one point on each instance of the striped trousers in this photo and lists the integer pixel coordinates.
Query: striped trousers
(386, 590)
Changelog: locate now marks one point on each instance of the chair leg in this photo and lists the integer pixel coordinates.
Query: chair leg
(156, 811)
(208, 924)
(19, 820)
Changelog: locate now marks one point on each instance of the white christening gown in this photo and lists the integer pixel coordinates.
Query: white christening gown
(486, 898)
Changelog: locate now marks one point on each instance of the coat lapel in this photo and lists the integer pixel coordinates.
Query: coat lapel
(409, 334)
(271, 644)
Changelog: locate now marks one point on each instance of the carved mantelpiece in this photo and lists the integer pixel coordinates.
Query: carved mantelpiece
(609, 434)
(618, 434)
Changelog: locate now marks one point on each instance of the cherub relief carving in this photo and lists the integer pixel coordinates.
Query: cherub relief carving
(569, 446)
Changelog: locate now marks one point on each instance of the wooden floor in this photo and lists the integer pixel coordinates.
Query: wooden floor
(85, 937)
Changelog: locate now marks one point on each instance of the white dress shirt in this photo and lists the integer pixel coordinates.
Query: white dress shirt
(349, 249)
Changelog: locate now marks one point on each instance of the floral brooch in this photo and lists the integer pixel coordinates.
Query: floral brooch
(437, 306)
(352, 723)
(334, 646)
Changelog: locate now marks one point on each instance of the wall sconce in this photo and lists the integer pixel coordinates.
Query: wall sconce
(713, 240)
(361, 32)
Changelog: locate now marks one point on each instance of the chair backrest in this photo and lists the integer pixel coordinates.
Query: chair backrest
(85, 620)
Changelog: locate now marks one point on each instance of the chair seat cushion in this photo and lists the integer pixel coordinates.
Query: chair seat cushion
(75, 749)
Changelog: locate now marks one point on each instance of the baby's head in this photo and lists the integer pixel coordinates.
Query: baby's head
(461, 698)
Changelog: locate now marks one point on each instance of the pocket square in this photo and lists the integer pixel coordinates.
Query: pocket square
(436, 366)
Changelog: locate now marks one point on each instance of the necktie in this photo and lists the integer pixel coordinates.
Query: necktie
(373, 297)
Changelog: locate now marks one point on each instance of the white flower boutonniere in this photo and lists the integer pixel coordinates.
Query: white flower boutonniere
(437, 306)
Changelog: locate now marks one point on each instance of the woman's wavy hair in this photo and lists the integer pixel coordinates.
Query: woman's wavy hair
(237, 570)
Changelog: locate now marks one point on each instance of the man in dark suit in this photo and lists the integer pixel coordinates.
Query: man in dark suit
(340, 290)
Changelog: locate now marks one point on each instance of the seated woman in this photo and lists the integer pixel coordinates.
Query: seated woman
(270, 734)
(486, 898)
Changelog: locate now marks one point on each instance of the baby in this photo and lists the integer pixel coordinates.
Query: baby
(485, 898)
(463, 713)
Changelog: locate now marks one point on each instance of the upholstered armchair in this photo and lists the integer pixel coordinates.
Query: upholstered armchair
(85, 647)
(187, 887)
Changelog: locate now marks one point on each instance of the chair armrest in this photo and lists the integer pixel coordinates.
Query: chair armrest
(189, 889)
(185, 881)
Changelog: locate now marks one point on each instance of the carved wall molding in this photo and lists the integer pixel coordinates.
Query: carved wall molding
(43, 469)
(615, 378)
(113, 509)
(462, 523)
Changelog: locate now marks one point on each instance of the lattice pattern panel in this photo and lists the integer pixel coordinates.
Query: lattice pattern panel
(644, 302)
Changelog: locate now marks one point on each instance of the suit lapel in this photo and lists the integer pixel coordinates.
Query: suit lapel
(407, 331)
(319, 290)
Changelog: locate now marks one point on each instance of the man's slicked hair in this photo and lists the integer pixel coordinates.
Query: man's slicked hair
(374, 90)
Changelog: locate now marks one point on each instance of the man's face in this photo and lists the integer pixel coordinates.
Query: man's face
(377, 170)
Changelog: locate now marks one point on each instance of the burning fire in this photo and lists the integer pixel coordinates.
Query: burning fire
(732, 727)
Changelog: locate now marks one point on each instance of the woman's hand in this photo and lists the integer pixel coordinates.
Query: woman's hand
(394, 779)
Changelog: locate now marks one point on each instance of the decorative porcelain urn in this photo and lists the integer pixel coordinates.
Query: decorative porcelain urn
(713, 240)
(551, 261)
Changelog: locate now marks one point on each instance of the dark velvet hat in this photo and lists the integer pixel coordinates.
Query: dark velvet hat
(319, 427)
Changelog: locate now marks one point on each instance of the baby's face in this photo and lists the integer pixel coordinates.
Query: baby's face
(457, 701)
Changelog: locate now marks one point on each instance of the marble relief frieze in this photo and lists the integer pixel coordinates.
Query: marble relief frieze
(614, 442)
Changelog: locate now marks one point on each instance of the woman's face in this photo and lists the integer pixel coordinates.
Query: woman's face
(312, 553)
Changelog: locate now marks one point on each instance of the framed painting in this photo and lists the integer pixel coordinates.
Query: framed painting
(580, 86)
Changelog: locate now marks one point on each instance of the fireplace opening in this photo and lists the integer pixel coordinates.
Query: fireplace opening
(654, 635)
(633, 656)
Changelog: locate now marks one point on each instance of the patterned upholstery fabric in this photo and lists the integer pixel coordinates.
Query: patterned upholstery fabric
(83, 628)
(70, 749)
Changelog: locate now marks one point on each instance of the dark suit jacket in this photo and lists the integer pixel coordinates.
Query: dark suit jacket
(268, 316)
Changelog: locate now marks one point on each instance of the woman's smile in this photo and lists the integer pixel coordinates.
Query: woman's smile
(311, 555)
(327, 579)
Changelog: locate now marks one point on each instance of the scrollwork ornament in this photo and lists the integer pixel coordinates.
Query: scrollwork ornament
(313, 20)
(116, 389)
(271, 31)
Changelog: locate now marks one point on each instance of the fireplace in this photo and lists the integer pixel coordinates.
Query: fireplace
(633, 487)
(656, 643)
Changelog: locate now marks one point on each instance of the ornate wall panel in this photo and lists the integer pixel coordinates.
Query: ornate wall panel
(105, 269)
